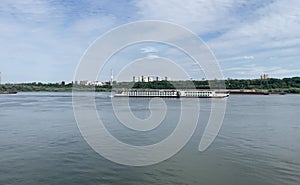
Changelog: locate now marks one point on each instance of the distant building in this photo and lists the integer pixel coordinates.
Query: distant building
(136, 78)
(167, 78)
(264, 76)
(83, 82)
(158, 78)
(144, 78)
(97, 83)
(87, 82)
(149, 78)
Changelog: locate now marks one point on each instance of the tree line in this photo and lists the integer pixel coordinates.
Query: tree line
(290, 85)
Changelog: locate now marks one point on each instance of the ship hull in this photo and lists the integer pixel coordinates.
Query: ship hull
(171, 94)
(5, 92)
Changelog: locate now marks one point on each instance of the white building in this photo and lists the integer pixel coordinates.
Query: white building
(87, 83)
(83, 82)
(167, 78)
(149, 78)
(144, 78)
(264, 76)
(136, 78)
(97, 83)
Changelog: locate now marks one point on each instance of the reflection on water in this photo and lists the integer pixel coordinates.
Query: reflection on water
(41, 144)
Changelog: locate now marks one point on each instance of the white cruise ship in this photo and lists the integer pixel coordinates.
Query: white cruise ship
(172, 93)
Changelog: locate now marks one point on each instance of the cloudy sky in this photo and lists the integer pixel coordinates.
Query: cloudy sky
(43, 40)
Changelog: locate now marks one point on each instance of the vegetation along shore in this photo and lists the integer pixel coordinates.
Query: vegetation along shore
(287, 85)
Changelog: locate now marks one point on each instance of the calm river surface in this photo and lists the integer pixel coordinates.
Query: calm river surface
(40, 143)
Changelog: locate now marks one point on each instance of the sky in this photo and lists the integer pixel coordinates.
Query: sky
(44, 40)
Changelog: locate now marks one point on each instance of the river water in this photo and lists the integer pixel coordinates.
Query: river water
(258, 143)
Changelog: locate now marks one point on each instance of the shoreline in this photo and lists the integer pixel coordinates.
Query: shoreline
(231, 91)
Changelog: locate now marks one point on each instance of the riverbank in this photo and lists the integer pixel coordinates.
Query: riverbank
(285, 85)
